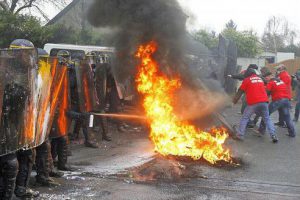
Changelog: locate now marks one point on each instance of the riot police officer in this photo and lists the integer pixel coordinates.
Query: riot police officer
(24, 157)
(42, 151)
(59, 141)
(80, 119)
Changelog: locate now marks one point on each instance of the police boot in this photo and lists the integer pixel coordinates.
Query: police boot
(87, 142)
(42, 165)
(22, 181)
(10, 169)
(45, 181)
(25, 193)
(62, 152)
(56, 174)
(90, 144)
(104, 126)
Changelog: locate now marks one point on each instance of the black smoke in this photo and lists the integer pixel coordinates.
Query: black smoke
(138, 22)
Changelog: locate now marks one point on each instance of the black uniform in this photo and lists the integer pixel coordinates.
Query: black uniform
(8, 173)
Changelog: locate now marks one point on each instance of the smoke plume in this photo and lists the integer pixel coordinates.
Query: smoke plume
(138, 22)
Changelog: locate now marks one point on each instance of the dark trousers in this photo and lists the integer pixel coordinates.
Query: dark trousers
(42, 159)
(25, 166)
(59, 149)
(81, 123)
(8, 174)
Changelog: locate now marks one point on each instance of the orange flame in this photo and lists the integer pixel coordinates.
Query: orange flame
(170, 135)
(62, 117)
(88, 104)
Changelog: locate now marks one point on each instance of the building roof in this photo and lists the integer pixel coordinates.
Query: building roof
(63, 12)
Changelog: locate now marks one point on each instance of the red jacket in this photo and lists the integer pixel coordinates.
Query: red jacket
(278, 89)
(255, 90)
(286, 78)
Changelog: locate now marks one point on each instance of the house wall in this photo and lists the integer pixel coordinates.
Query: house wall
(74, 17)
(282, 56)
(245, 62)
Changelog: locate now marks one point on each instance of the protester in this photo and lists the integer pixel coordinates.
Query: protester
(297, 88)
(241, 77)
(280, 101)
(257, 103)
(283, 75)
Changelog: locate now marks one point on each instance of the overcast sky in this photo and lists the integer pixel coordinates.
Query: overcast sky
(247, 14)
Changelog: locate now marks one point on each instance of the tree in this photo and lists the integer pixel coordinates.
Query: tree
(20, 26)
(13, 26)
(231, 25)
(207, 38)
(247, 42)
(278, 34)
(18, 6)
(292, 48)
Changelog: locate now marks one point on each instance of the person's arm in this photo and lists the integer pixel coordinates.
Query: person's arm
(237, 96)
(237, 76)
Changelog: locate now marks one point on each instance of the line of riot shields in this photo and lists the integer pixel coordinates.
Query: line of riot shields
(36, 96)
(30, 91)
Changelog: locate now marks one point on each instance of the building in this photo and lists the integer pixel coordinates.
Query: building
(266, 58)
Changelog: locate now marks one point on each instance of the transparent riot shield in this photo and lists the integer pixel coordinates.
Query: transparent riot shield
(100, 78)
(60, 101)
(25, 100)
(86, 88)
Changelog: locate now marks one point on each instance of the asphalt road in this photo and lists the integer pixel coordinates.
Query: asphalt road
(268, 171)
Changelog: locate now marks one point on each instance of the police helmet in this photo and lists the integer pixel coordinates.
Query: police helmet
(21, 44)
(63, 53)
(90, 54)
(42, 53)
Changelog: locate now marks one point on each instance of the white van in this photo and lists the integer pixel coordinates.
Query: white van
(50, 46)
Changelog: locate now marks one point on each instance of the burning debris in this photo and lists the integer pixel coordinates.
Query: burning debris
(170, 134)
(174, 168)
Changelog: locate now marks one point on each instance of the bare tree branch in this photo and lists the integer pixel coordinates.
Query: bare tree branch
(17, 6)
(13, 5)
(4, 5)
(27, 5)
(42, 12)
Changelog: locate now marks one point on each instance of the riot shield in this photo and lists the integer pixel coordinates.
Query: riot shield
(3, 61)
(86, 88)
(59, 101)
(44, 105)
(25, 100)
(101, 85)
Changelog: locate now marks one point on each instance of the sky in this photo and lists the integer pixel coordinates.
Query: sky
(254, 14)
(247, 14)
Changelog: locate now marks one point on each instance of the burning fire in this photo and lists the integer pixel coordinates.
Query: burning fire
(170, 135)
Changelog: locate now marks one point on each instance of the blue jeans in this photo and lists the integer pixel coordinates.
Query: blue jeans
(260, 109)
(297, 110)
(283, 106)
